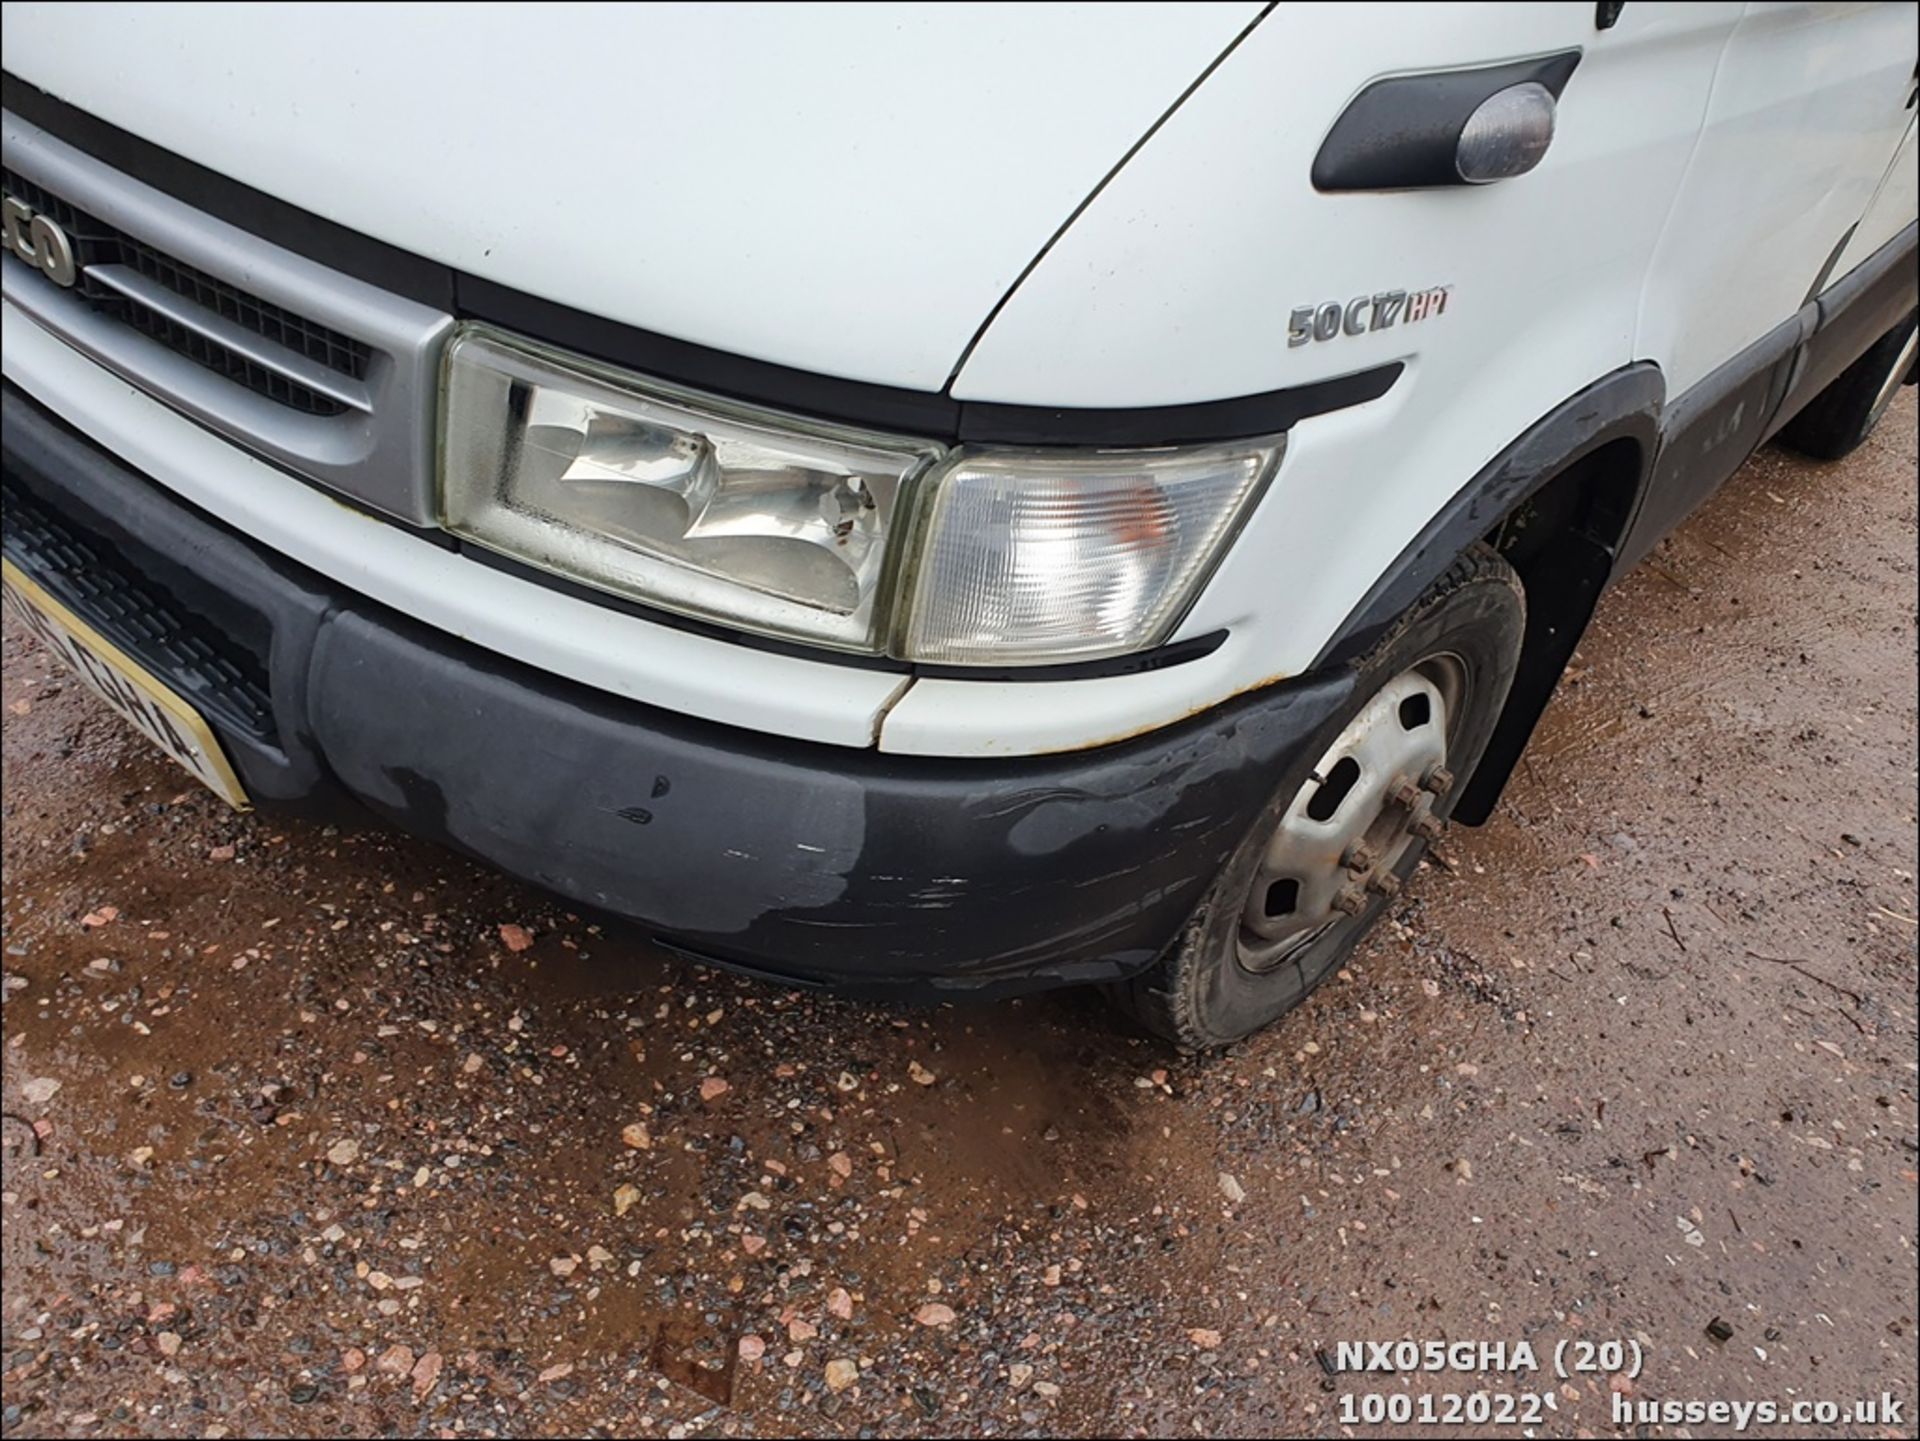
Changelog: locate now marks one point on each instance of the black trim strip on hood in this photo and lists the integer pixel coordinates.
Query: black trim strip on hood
(916, 412)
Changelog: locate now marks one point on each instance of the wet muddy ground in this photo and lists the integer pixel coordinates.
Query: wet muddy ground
(328, 1132)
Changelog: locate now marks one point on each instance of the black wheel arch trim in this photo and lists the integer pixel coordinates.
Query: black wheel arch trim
(1624, 405)
(932, 414)
(1674, 452)
(1619, 414)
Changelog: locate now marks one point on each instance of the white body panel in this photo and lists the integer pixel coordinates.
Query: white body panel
(1546, 274)
(853, 190)
(845, 189)
(1891, 209)
(1805, 112)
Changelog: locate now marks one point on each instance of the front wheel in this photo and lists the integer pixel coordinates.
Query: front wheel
(1350, 821)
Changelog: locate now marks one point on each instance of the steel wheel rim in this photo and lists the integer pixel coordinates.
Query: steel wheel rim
(1369, 800)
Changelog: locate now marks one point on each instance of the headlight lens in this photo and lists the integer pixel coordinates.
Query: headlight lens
(689, 502)
(1036, 556)
(825, 533)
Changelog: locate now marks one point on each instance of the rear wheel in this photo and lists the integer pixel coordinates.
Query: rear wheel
(1350, 821)
(1839, 418)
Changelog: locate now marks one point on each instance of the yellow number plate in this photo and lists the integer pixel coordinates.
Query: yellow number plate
(154, 710)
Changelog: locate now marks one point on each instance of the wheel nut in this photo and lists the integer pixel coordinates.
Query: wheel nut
(1428, 828)
(1350, 899)
(1439, 780)
(1359, 858)
(1384, 883)
(1404, 792)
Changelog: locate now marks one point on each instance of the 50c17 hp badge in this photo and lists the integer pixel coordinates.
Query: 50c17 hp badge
(1364, 314)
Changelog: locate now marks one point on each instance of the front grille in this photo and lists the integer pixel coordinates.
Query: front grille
(215, 673)
(95, 242)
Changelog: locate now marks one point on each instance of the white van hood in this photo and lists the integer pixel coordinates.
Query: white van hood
(848, 190)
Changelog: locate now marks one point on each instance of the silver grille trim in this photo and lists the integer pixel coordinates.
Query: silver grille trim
(217, 328)
(378, 450)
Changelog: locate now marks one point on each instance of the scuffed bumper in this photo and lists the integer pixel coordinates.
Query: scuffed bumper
(808, 862)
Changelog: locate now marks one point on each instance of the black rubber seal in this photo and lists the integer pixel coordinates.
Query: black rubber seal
(983, 423)
(1402, 133)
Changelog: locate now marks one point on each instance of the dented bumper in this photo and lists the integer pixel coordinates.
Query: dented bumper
(807, 862)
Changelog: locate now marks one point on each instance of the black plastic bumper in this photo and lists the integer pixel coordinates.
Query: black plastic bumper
(809, 862)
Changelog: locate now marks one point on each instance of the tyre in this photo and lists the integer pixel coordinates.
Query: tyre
(1839, 418)
(1349, 821)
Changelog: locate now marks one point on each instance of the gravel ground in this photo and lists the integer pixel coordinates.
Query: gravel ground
(327, 1132)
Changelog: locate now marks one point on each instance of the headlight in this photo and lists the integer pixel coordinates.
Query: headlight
(689, 502)
(825, 533)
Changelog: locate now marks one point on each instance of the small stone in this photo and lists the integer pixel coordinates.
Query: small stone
(840, 1303)
(563, 1265)
(472, 1063)
(1019, 1374)
(168, 1342)
(352, 1359)
(841, 1373)
(1231, 1188)
(557, 1373)
(920, 1074)
(634, 1136)
(426, 1374)
(104, 916)
(396, 1360)
(1719, 1330)
(39, 1090)
(220, 853)
(139, 1155)
(713, 1088)
(515, 938)
(841, 1164)
(344, 1153)
(934, 1313)
(1205, 1339)
(1046, 1389)
(800, 1331)
(752, 1348)
(624, 1196)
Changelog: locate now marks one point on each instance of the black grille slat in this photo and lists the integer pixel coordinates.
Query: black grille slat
(222, 678)
(95, 242)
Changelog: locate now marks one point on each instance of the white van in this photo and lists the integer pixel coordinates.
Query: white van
(936, 499)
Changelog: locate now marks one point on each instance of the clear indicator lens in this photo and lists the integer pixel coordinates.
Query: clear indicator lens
(1031, 557)
(1507, 135)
